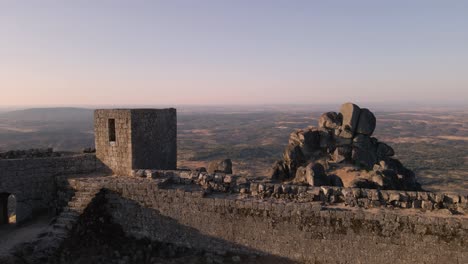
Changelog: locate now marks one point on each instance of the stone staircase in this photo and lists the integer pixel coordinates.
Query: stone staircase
(70, 214)
(47, 242)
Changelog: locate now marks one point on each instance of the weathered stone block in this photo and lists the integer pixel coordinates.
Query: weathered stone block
(417, 204)
(451, 198)
(427, 205)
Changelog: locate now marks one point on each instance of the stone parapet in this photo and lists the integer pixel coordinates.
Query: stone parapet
(353, 197)
(299, 230)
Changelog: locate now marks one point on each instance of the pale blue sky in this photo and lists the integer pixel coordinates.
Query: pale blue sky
(232, 52)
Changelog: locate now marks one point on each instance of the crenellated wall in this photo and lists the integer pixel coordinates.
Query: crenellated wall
(32, 180)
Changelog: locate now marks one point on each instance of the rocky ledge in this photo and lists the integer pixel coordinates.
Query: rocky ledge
(342, 152)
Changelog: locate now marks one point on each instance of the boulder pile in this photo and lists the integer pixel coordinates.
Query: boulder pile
(342, 152)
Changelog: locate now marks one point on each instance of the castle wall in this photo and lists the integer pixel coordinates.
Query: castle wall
(32, 181)
(303, 231)
(154, 139)
(117, 155)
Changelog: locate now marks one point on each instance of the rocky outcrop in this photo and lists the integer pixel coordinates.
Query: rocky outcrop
(343, 146)
(367, 122)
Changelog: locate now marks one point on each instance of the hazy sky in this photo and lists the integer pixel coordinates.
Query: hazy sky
(232, 52)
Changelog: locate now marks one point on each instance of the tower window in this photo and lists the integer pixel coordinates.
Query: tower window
(111, 130)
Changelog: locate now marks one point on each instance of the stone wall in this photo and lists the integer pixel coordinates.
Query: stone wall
(32, 181)
(154, 138)
(117, 154)
(354, 197)
(314, 232)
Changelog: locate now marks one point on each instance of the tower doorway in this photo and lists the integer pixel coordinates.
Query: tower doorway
(7, 209)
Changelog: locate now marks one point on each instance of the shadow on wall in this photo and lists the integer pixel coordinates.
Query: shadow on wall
(97, 237)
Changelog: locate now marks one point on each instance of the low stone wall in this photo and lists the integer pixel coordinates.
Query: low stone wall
(314, 232)
(359, 197)
(33, 183)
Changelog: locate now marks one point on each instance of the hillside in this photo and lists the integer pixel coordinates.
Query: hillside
(60, 128)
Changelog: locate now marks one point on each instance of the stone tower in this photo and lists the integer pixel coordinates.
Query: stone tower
(128, 139)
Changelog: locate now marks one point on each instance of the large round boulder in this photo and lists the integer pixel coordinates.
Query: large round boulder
(364, 142)
(384, 150)
(279, 171)
(312, 174)
(367, 122)
(223, 166)
(308, 139)
(350, 113)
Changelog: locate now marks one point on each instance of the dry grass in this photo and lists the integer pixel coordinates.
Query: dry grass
(444, 180)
